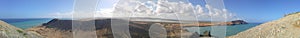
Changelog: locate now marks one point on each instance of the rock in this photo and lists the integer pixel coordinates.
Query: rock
(195, 35)
(236, 22)
(206, 34)
(286, 27)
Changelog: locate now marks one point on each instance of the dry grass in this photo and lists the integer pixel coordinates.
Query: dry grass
(297, 23)
(51, 32)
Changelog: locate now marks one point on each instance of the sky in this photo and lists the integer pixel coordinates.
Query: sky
(33, 8)
(262, 10)
(249, 10)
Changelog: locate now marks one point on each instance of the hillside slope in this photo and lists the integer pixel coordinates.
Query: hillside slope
(9, 31)
(286, 27)
(63, 28)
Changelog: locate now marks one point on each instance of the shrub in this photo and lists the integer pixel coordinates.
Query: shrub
(292, 13)
(19, 31)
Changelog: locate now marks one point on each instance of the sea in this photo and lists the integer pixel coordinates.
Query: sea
(26, 23)
(230, 30)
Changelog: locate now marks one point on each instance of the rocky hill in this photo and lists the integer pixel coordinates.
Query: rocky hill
(286, 27)
(63, 28)
(9, 31)
(57, 28)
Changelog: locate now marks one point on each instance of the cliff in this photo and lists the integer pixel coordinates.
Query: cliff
(286, 27)
(236, 22)
(9, 31)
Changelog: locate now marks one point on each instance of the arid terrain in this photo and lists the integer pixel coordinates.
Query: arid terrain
(57, 28)
(286, 27)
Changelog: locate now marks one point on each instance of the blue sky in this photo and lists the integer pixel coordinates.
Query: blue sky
(250, 10)
(33, 8)
(262, 10)
(259, 10)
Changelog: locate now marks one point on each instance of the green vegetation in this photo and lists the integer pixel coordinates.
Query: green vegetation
(50, 26)
(24, 34)
(292, 13)
(20, 31)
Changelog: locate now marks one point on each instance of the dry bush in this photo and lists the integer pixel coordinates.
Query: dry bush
(297, 23)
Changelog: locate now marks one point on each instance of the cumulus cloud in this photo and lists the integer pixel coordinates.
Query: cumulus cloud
(167, 9)
(60, 15)
(104, 13)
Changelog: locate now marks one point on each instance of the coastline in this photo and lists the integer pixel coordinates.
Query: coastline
(286, 27)
(62, 27)
(231, 30)
(26, 23)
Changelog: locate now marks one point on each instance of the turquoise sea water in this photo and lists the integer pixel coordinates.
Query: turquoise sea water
(26, 23)
(230, 30)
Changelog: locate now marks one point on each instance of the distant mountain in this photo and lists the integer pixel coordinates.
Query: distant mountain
(57, 28)
(286, 27)
(62, 28)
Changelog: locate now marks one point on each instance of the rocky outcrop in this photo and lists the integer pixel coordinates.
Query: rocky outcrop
(206, 34)
(286, 27)
(236, 22)
(9, 31)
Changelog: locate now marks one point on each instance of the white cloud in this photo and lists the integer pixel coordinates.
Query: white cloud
(169, 10)
(158, 9)
(104, 13)
(60, 15)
